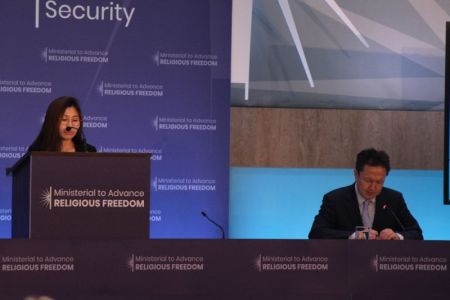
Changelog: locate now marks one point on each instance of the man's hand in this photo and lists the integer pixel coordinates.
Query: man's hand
(361, 235)
(388, 234)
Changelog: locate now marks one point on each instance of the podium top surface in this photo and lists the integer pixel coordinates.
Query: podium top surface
(11, 170)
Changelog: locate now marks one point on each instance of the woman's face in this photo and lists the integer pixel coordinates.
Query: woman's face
(69, 123)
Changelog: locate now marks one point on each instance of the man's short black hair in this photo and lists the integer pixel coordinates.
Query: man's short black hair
(373, 158)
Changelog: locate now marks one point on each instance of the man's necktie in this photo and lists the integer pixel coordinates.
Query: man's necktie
(365, 214)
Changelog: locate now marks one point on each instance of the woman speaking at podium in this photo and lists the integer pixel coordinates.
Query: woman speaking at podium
(62, 130)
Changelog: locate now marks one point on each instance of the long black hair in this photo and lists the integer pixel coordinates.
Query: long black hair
(48, 138)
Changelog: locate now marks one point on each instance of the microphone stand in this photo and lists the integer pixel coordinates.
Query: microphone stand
(212, 221)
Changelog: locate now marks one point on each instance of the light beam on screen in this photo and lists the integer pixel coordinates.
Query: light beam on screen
(346, 20)
(241, 38)
(286, 9)
(287, 12)
(36, 19)
(240, 42)
(446, 116)
(433, 15)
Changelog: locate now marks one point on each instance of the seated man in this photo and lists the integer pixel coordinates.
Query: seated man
(366, 203)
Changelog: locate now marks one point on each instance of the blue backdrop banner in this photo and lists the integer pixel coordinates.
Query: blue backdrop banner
(152, 76)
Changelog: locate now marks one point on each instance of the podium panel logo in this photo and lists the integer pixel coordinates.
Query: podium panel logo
(270, 263)
(386, 263)
(165, 263)
(53, 198)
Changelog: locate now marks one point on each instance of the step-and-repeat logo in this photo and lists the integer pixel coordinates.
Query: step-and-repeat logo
(5, 215)
(53, 55)
(156, 153)
(97, 122)
(112, 89)
(12, 151)
(14, 86)
(161, 184)
(162, 58)
(184, 124)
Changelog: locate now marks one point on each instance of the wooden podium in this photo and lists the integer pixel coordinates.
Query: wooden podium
(81, 196)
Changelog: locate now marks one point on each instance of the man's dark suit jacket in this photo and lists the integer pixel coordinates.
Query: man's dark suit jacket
(339, 214)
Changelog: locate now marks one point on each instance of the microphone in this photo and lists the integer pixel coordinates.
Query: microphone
(68, 128)
(386, 207)
(212, 221)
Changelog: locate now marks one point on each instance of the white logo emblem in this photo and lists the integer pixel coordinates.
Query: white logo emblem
(46, 198)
